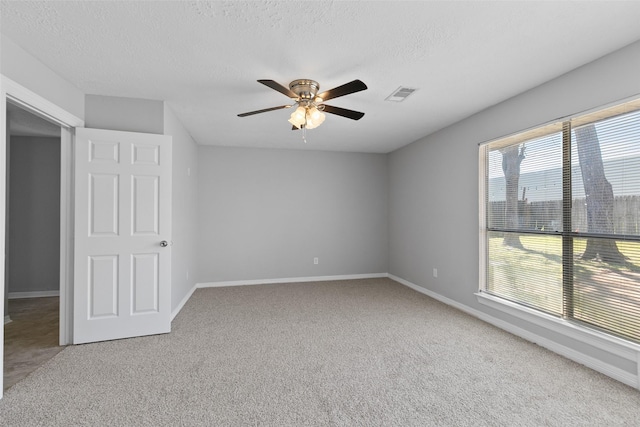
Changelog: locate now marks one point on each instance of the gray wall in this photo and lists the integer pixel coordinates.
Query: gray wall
(265, 214)
(23, 68)
(125, 114)
(34, 214)
(433, 183)
(184, 215)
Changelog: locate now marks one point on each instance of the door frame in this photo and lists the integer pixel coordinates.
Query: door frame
(36, 104)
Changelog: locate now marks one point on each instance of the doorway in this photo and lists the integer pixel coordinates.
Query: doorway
(32, 242)
(11, 91)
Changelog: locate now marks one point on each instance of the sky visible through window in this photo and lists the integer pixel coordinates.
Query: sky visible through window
(612, 145)
(619, 139)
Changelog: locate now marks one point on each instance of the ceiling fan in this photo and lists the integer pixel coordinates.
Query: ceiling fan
(310, 103)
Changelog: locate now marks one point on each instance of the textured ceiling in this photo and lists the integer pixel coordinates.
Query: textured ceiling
(204, 58)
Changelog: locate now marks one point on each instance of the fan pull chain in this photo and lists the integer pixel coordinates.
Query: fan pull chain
(304, 127)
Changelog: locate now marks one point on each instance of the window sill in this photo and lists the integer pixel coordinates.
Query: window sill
(602, 341)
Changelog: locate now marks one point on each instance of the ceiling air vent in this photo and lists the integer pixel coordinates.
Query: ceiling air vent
(400, 94)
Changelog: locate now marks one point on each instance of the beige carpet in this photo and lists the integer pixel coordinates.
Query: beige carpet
(352, 353)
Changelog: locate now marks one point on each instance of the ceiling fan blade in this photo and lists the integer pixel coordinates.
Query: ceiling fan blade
(251, 113)
(277, 86)
(294, 127)
(345, 89)
(350, 114)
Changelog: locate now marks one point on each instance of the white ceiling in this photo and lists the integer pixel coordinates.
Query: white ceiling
(204, 58)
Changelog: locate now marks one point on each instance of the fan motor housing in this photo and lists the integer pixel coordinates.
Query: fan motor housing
(306, 89)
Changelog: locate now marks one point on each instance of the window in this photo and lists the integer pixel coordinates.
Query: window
(561, 220)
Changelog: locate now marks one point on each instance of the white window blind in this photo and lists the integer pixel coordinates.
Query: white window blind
(605, 216)
(563, 219)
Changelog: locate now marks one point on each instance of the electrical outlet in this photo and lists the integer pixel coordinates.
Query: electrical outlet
(435, 272)
(315, 260)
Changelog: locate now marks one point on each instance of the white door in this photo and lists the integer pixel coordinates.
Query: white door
(122, 259)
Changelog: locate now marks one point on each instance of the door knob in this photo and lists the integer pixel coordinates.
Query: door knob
(164, 244)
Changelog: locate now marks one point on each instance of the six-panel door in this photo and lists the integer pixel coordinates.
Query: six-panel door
(122, 275)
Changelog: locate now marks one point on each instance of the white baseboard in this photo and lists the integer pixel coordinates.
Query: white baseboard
(33, 294)
(7, 319)
(596, 364)
(175, 312)
(290, 280)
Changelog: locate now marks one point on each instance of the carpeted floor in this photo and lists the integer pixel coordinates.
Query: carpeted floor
(349, 353)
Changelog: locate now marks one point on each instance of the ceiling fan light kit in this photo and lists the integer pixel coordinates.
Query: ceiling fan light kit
(307, 117)
(310, 110)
